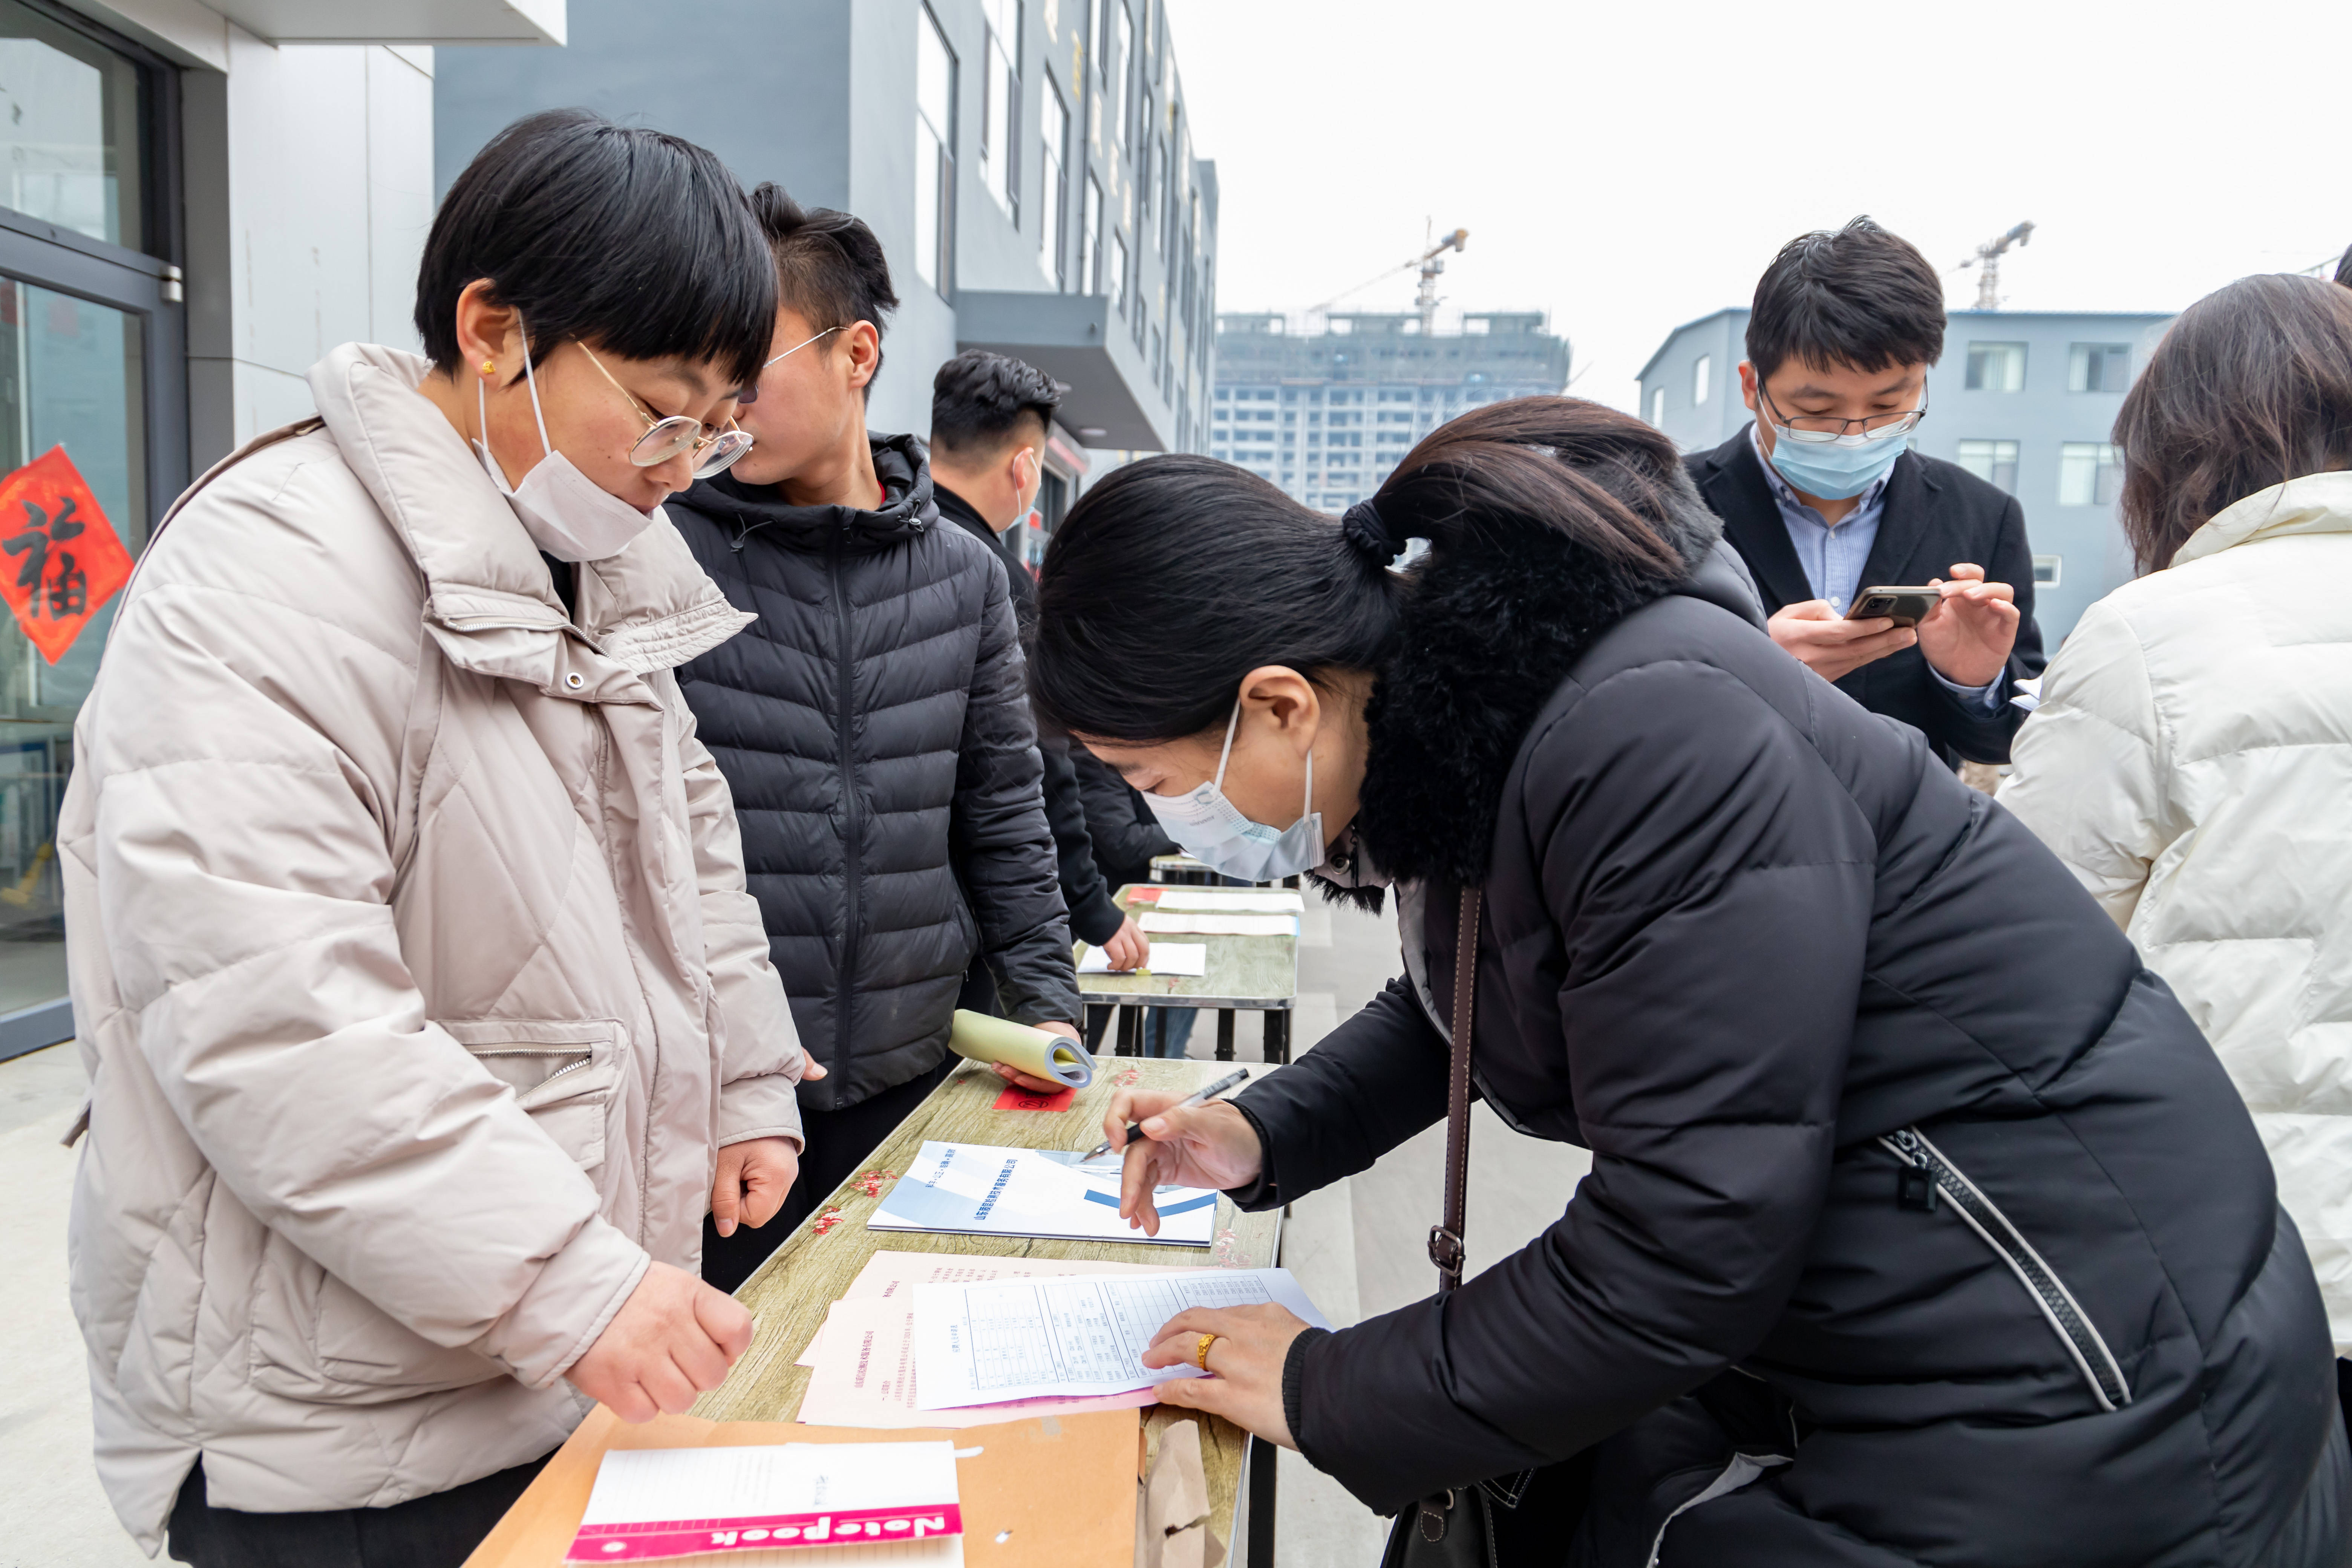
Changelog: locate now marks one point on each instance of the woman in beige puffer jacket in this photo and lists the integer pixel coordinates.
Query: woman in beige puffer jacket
(2192, 759)
(416, 978)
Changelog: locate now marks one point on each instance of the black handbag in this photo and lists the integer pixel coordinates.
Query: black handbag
(1460, 1527)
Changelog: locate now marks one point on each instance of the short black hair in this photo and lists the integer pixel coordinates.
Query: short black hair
(978, 399)
(629, 239)
(1857, 296)
(829, 266)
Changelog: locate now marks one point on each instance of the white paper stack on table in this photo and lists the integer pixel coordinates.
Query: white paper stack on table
(801, 1503)
(980, 1189)
(980, 1340)
(1220, 924)
(863, 1359)
(1178, 957)
(1225, 901)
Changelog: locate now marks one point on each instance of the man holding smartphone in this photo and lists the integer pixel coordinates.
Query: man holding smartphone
(1824, 498)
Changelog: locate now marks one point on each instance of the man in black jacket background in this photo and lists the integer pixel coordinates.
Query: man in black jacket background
(990, 417)
(1822, 499)
(873, 725)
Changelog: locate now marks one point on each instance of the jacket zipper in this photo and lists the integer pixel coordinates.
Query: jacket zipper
(849, 824)
(1926, 1173)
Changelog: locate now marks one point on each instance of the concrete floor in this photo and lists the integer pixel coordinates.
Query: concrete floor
(1357, 1247)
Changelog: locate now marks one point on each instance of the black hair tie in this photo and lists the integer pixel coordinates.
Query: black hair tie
(1369, 535)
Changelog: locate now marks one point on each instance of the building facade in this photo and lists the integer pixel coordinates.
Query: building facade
(198, 199)
(1027, 164)
(1327, 415)
(2026, 399)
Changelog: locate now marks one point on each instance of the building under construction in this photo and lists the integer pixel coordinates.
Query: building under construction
(1325, 415)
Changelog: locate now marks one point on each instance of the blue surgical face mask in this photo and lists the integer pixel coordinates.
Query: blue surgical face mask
(1834, 470)
(1212, 830)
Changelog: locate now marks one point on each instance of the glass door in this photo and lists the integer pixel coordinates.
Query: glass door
(93, 433)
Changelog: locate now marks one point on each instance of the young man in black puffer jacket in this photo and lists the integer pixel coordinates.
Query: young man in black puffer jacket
(873, 726)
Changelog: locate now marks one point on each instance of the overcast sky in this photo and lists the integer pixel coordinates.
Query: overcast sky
(1629, 166)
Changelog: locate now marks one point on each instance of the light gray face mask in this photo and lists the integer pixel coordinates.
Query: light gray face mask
(1212, 830)
(567, 515)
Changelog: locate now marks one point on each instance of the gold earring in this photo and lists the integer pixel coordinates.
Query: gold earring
(489, 367)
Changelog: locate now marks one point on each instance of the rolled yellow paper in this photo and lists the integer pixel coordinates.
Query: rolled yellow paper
(978, 1037)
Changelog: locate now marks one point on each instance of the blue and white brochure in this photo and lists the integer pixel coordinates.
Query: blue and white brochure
(980, 1189)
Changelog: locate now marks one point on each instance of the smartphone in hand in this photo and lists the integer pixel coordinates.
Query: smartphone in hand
(1904, 607)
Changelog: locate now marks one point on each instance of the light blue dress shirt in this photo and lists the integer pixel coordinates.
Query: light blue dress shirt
(1833, 556)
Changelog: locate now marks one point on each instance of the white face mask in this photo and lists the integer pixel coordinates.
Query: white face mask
(1212, 830)
(566, 513)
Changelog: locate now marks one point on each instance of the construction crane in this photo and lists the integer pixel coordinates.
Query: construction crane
(1987, 256)
(1431, 264)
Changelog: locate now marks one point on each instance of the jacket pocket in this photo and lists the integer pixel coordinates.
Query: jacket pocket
(313, 1338)
(563, 1072)
(1928, 1176)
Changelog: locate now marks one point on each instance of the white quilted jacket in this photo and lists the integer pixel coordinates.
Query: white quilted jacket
(2192, 762)
(414, 970)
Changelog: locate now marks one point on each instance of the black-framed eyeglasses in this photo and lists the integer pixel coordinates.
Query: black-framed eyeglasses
(1820, 430)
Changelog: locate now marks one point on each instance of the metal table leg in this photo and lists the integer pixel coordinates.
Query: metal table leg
(1277, 1034)
(1225, 1033)
(1126, 1046)
(1261, 1504)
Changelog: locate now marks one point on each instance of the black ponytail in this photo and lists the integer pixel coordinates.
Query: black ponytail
(1549, 520)
(1174, 578)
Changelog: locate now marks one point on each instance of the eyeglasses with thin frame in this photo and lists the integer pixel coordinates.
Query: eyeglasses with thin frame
(1820, 430)
(802, 344)
(666, 438)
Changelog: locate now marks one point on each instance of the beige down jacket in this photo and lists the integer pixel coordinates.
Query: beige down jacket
(414, 967)
(2192, 762)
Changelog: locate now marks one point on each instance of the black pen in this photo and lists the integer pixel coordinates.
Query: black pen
(1202, 1097)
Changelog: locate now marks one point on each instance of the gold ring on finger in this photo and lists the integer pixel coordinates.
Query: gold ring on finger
(1201, 1351)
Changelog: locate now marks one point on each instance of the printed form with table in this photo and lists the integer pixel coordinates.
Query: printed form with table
(959, 1404)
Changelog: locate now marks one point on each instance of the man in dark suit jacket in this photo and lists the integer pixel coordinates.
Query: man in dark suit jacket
(1821, 497)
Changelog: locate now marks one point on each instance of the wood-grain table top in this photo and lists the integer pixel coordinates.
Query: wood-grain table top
(791, 1292)
(1258, 973)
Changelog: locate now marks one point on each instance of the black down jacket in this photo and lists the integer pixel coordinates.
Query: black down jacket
(1759, 952)
(874, 728)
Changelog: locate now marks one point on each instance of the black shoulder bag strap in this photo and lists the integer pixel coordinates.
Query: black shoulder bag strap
(1440, 1531)
(1445, 1240)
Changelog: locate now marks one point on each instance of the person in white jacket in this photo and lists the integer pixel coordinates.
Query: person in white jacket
(2192, 759)
(425, 1007)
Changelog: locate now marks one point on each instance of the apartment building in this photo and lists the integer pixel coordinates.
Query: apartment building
(1326, 414)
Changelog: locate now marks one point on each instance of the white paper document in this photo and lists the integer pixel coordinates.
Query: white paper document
(818, 1503)
(978, 1342)
(1229, 900)
(1221, 925)
(1167, 958)
(980, 1189)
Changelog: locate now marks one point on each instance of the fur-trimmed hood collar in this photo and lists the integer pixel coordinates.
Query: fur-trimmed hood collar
(1489, 635)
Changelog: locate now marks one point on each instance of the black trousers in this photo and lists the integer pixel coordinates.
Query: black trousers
(837, 1144)
(436, 1531)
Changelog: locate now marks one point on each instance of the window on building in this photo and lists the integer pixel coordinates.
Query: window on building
(1054, 131)
(2089, 473)
(2098, 367)
(1699, 374)
(1090, 259)
(1125, 69)
(71, 141)
(1159, 181)
(1658, 407)
(999, 108)
(1996, 367)
(2046, 570)
(934, 152)
(1992, 461)
(1119, 273)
